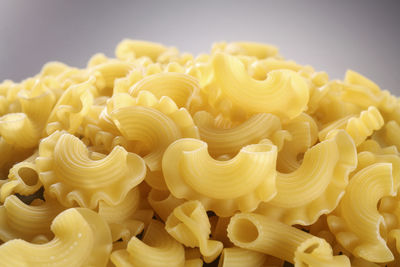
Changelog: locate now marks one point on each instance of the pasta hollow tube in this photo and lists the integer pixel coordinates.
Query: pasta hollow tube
(260, 233)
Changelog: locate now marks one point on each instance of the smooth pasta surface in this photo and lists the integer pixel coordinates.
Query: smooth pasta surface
(234, 158)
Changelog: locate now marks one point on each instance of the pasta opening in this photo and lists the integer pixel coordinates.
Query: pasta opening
(189, 208)
(245, 231)
(28, 175)
(311, 248)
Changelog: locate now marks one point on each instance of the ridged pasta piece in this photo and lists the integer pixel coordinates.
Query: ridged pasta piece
(179, 87)
(160, 120)
(106, 74)
(357, 224)
(355, 78)
(238, 257)
(389, 134)
(189, 224)
(130, 49)
(158, 248)
(24, 129)
(283, 93)
(120, 216)
(253, 49)
(367, 158)
(37, 103)
(23, 179)
(303, 134)
(163, 202)
(19, 220)
(359, 127)
(18, 130)
(229, 141)
(71, 108)
(259, 233)
(9, 155)
(68, 173)
(82, 238)
(240, 183)
(317, 186)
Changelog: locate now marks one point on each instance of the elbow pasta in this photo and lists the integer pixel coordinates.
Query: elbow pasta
(236, 158)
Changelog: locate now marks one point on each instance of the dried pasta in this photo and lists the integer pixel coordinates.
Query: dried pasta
(237, 157)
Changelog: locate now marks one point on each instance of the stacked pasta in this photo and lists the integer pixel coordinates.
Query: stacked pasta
(159, 158)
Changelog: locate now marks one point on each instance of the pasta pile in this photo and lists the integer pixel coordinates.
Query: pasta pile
(237, 157)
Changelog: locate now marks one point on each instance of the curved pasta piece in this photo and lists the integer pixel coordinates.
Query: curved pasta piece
(356, 224)
(229, 141)
(23, 179)
(106, 74)
(359, 128)
(355, 78)
(158, 248)
(153, 123)
(253, 49)
(18, 130)
(189, 224)
(317, 186)
(129, 49)
(163, 202)
(38, 102)
(304, 133)
(82, 238)
(121, 219)
(9, 155)
(283, 93)
(237, 257)
(69, 174)
(221, 186)
(366, 158)
(73, 105)
(260, 233)
(122, 211)
(19, 220)
(179, 87)
(389, 134)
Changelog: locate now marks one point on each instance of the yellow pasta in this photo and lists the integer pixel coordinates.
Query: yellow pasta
(163, 203)
(356, 225)
(188, 223)
(82, 238)
(303, 134)
(69, 174)
(156, 249)
(19, 220)
(222, 140)
(135, 49)
(238, 157)
(259, 233)
(283, 93)
(71, 108)
(221, 186)
(232, 257)
(317, 186)
(359, 128)
(179, 87)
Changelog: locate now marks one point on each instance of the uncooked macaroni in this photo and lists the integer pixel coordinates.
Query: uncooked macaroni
(160, 158)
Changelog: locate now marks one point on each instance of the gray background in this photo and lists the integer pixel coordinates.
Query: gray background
(329, 35)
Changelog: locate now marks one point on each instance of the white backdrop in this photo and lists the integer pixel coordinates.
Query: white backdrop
(329, 35)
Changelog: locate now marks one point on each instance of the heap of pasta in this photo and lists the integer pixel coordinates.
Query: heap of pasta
(158, 158)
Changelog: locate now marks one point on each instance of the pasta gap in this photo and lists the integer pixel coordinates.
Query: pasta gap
(28, 199)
